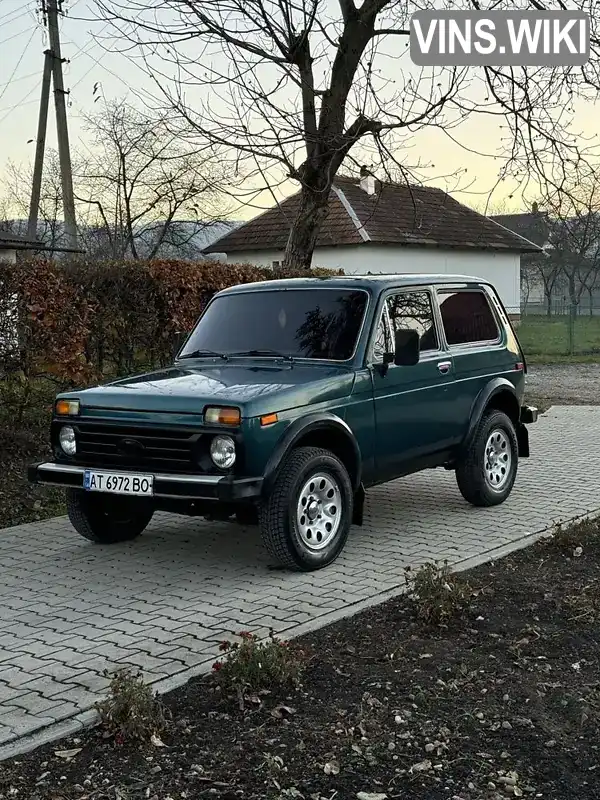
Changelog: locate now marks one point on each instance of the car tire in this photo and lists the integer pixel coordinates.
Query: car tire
(107, 519)
(314, 479)
(487, 472)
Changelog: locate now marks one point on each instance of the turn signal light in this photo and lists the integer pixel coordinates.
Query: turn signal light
(268, 419)
(67, 407)
(222, 416)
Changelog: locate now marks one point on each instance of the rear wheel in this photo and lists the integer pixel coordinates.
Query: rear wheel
(107, 519)
(306, 518)
(487, 472)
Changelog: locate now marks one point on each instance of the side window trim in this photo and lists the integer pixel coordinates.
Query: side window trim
(449, 289)
(383, 313)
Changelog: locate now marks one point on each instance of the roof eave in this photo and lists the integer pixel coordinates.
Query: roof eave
(530, 247)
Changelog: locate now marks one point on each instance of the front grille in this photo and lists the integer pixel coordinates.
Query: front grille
(137, 446)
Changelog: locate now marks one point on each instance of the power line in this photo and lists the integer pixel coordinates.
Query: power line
(22, 102)
(14, 36)
(18, 64)
(21, 78)
(16, 14)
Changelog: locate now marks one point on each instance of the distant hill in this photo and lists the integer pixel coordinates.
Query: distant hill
(184, 239)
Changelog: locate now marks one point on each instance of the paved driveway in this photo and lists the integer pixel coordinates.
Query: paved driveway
(69, 609)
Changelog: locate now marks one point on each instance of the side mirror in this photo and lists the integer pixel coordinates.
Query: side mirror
(407, 348)
(179, 341)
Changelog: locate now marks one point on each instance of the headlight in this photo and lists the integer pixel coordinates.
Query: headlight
(214, 415)
(67, 440)
(222, 451)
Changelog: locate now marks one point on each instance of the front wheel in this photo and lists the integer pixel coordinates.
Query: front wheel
(487, 472)
(107, 519)
(306, 518)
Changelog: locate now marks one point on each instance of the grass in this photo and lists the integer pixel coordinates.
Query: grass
(546, 339)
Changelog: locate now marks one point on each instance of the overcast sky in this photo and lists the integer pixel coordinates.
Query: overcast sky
(93, 59)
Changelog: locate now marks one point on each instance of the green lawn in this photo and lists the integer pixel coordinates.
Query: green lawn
(547, 338)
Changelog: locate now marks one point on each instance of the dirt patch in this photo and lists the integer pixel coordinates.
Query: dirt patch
(564, 384)
(503, 702)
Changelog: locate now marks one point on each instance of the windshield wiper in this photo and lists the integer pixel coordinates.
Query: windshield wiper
(200, 353)
(263, 352)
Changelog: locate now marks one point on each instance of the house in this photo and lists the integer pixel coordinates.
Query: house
(545, 280)
(375, 227)
(534, 225)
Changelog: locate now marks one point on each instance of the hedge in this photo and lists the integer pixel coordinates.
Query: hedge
(79, 323)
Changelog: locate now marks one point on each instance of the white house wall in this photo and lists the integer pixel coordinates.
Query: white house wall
(8, 256)
(501, 269)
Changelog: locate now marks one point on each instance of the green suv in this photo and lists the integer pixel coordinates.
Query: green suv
(289, 399)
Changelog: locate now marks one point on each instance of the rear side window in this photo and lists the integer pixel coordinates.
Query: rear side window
(467, 318)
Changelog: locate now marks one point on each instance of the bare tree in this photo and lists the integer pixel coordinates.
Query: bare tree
(576, 237)
(16, 192)
(293, 86)
(138, 180)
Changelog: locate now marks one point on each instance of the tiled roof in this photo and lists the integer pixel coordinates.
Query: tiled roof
(533, 225)
(395, 214)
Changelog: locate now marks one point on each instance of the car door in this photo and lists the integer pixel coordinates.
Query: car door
(476, 341)
(411, 418)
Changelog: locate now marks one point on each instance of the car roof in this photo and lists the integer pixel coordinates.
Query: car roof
(372, 283)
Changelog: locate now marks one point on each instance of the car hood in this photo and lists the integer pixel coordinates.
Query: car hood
(256, 389)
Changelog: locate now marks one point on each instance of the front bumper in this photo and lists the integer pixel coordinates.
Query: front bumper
(221, 488)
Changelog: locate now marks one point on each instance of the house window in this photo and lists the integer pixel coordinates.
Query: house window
(467, 318)
(276, 264)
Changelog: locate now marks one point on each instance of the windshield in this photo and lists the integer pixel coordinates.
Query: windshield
(297, 323)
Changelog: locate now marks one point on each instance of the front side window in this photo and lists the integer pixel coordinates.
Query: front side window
(405, 311)
(467, 317)
(413, 311)
(301, 323)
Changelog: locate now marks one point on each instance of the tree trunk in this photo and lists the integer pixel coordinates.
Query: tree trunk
(548, 302)
(305, 228)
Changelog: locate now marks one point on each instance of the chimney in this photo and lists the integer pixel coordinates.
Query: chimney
(368, 182)
(534, 208)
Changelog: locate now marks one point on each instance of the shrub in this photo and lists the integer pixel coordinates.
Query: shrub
(132, 712)
(252, 665)
(77, 323)
(567, 538)
(105, 314)
(438, 594)
(585, 606)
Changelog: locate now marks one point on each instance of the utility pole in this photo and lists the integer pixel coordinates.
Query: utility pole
(51, 10)
(40, 149)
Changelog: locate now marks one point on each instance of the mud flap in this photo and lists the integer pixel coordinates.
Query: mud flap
(523, 440)
(359, 506)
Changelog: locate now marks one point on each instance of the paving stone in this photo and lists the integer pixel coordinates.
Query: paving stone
(36, 704)
(9, 693)
(69, 611)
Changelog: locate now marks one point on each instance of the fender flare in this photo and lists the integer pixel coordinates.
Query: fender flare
(494, 387)
(298, 429)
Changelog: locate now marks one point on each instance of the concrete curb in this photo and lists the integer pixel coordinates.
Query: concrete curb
(89, 717)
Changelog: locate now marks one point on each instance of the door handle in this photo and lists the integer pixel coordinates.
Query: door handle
(444, 367)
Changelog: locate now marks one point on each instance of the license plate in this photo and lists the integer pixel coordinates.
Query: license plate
(117, 482)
